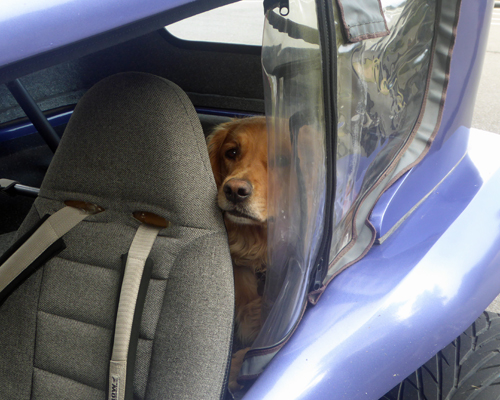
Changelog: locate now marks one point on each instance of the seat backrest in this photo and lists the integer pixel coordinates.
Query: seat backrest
(134, 143)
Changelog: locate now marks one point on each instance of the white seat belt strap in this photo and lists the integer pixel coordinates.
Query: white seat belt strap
(134, 268)
(48, 233)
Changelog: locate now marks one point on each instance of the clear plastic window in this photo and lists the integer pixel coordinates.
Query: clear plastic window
(294, 106)
(381, 88)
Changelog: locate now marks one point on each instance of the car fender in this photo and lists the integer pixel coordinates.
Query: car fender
(408, 298)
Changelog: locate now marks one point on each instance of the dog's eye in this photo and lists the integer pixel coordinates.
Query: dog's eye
(232, 153)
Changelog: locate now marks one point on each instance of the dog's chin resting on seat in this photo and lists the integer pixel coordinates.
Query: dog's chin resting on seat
(238, 155)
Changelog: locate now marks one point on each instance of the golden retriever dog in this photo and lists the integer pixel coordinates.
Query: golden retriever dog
(238, 155)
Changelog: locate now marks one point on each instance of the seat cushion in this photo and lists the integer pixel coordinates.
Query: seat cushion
(134, 143)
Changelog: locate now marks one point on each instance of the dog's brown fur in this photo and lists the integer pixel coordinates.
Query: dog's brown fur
(238, 154)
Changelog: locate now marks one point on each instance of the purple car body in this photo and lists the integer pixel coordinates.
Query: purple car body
(409, 296)
(33, 27)
(413, 294)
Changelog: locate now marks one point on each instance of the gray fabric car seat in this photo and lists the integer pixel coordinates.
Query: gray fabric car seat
(134, 143)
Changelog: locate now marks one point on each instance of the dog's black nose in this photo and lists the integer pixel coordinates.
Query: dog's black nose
(237, 190)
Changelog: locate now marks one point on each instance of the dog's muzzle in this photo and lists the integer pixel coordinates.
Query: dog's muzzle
(237, 190)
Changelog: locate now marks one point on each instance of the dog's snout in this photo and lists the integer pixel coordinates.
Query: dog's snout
(237, 190)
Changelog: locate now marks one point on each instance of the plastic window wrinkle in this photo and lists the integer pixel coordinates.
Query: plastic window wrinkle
(380, 93)
(294, 105)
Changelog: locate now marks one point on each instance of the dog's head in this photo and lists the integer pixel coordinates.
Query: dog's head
(238, 154)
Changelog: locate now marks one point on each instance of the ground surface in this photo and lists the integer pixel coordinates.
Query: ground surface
(487, 109)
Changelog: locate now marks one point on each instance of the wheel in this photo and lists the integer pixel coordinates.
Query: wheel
(466, 369)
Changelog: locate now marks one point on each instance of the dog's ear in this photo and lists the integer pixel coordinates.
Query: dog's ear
(214, 143)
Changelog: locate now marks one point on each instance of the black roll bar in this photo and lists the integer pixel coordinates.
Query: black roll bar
(13, 188)
(34, 113)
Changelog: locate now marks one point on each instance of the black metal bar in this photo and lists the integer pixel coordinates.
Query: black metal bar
(34, 113)
(13, 188)
(27, 191)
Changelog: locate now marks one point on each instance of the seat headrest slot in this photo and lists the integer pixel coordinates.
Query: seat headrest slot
(82, 205)
(151, 219)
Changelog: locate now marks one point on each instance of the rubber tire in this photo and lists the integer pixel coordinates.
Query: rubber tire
(466, 369)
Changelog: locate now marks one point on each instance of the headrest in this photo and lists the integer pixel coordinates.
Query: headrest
(135, 143)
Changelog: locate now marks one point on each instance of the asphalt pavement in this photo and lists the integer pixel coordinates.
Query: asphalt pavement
(487, 107)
